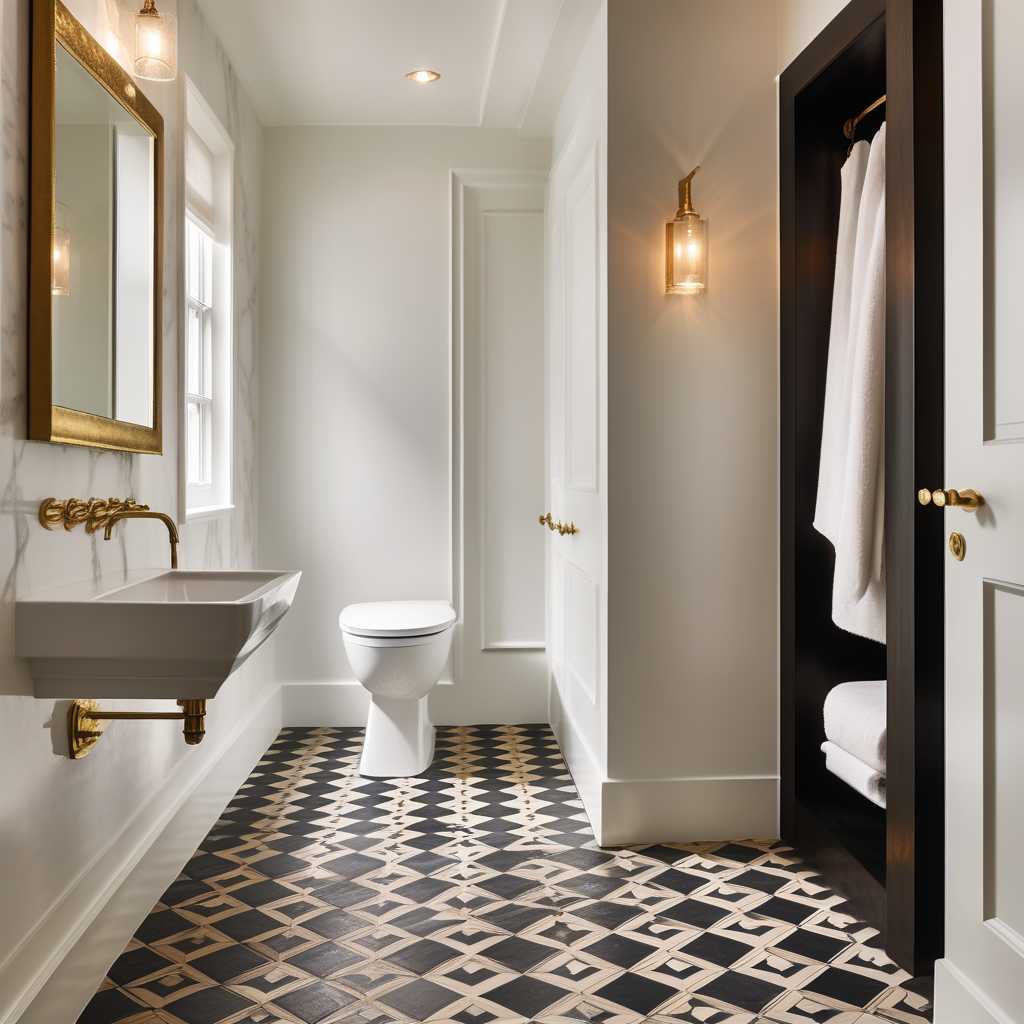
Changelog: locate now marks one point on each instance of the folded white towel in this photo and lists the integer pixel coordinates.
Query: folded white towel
(855, 720)
(850, 508)
(855, 773)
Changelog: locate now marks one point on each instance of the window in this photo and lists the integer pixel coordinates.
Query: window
(208, 378)
(199, 373)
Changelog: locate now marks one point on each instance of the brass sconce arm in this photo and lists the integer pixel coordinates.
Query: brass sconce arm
(686, 194)
(85, 716)
(172, 530)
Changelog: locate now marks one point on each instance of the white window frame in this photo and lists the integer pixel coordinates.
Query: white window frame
(215, 495)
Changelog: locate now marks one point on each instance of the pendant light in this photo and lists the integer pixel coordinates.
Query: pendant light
(156, 44)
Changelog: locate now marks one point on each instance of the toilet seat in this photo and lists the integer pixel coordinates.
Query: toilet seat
(396, 620)
(392, 641)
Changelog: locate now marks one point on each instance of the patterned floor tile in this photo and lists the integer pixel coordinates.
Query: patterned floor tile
(474, 894)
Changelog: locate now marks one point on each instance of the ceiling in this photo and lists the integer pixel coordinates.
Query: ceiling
(503, 63)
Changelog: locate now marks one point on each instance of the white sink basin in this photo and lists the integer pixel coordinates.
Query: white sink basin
(144, 635)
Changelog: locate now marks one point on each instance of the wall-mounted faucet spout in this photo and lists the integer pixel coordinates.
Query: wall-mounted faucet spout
(172, 530)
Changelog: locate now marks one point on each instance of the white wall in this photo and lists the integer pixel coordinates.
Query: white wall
(693, 531)
(67, 828)
(355, 431)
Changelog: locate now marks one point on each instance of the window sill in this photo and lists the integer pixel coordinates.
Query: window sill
(207, 512)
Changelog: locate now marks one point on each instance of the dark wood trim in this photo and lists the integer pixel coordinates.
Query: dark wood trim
(853, 20)
(914, 457)
(903, 895)
(812, 62)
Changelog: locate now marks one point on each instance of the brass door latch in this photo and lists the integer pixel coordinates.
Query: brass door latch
(968, 500)
(557, 524)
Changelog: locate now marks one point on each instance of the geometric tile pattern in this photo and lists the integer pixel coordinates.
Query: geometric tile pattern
(474, 894)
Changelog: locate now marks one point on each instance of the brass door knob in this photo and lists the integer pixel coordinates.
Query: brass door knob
(546, 520)
(967, 499)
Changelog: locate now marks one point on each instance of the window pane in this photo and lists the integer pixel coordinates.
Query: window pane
(193, 355)
(207, 356)
(207, 435)
(192, 260)
(207, 268)
(193, 428)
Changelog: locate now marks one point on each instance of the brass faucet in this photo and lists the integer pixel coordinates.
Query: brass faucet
(172, 530)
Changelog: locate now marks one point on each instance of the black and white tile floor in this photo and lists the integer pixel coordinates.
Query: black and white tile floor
(474, 893)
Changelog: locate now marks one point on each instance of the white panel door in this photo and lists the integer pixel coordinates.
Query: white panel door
(984, 95)
(499, 412)
(575, 455)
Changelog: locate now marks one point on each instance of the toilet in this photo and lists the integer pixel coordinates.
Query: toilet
(397, 650)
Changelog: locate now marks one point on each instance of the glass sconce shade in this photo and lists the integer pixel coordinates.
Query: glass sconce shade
(156, 44)
(686, 255)
(686, 246)
(61, 281)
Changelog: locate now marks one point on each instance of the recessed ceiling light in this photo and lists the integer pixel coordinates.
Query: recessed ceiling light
(424, 76)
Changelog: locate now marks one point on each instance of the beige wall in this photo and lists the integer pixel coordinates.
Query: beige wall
(692, 395)
(799, 21)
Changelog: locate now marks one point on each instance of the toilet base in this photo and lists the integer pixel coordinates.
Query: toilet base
(399, 740)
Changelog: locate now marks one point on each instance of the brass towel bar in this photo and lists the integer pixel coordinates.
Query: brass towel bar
(850, 124)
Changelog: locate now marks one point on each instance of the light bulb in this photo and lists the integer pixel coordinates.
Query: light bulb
(423, 76)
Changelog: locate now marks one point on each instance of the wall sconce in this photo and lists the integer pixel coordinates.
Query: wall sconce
(156, 44)
(686, 248)
(61, 283)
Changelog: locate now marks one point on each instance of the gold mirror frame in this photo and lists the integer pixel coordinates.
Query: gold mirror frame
(53, 25)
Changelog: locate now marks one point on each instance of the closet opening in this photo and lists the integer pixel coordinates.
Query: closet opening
(886, 861)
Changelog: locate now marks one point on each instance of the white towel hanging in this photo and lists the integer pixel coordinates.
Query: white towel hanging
(850, 509)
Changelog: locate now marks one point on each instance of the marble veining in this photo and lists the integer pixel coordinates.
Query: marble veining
(53, 849)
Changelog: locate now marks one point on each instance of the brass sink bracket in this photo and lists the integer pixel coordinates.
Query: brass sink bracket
(93, 512)
(86, 722)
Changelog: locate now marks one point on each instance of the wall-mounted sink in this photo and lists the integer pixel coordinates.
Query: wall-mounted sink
(153, 634)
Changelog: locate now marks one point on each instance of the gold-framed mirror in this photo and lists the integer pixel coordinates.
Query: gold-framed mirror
(96, 235)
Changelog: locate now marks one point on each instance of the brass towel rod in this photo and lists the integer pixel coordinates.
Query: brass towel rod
(850, 125)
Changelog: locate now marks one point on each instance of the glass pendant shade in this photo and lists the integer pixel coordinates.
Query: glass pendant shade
(156, 44)
(686, 246)
(687, 254)
(61, 281)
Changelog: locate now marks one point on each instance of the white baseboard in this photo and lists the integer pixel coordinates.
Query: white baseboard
(345, 702)
(628, 812)
(328, 704)
(583, 764)
(959, 1001)
(56, 970)
(689, 810)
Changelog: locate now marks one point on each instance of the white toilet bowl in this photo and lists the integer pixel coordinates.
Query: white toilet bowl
(397, 650)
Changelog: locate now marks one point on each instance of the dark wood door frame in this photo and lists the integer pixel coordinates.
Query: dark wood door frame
(911, 897)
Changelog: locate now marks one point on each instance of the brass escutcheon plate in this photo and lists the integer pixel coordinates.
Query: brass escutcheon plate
(957, 546)
(83, 732)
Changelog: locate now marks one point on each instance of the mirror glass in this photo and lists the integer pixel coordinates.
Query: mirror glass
(103, 251)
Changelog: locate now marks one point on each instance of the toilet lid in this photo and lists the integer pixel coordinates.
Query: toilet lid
(396, 618)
